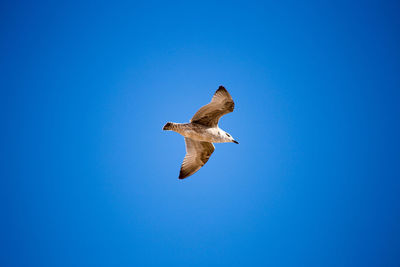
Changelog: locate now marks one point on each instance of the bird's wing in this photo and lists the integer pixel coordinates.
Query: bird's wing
(197, 154)
(220, 104)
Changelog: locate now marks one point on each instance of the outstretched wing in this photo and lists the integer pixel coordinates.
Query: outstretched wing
(220, 104)
(197, 154)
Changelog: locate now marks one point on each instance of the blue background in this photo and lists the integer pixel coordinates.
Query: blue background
(88, 178)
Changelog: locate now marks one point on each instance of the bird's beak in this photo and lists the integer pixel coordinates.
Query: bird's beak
(236, 142)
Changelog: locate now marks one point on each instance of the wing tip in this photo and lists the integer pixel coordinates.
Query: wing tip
(221, 88)
(183, 173)
(222, 92)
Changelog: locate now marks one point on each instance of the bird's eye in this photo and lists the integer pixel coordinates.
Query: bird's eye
(228, 135)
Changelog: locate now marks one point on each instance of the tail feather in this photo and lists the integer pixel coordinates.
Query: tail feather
(167, 126)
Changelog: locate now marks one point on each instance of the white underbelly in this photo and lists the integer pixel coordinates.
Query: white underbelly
(207, 135)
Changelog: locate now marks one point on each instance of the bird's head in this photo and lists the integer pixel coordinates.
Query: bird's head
(229, 138)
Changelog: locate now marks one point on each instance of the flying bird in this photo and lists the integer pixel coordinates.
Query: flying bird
(203, 131)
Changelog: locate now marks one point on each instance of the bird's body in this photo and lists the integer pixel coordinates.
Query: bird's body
(202, 131)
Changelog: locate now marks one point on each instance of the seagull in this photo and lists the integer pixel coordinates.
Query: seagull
(202, 131)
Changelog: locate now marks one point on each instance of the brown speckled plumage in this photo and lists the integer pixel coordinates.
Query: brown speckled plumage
(202, 131)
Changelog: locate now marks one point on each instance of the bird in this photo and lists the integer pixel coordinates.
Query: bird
(202, 131)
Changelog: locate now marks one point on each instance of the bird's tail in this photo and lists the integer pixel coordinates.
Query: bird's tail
(168, 126)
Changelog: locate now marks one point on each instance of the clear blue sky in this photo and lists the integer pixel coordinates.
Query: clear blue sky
(88, 177)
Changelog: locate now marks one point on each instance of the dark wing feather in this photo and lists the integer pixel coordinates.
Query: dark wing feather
(220, 104)
(197, 154)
